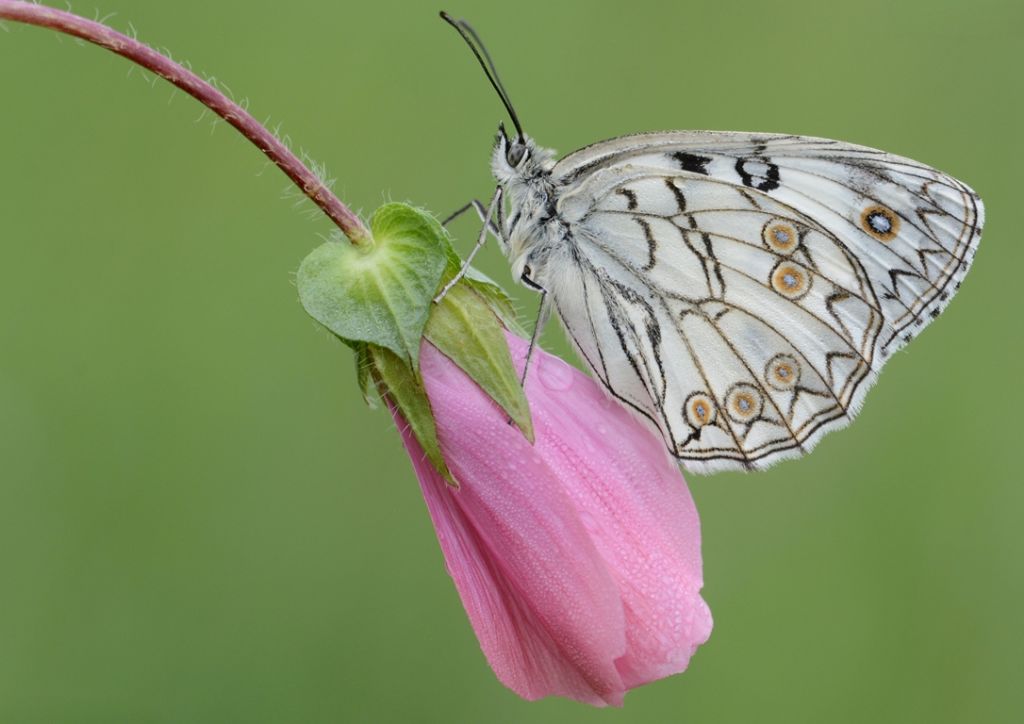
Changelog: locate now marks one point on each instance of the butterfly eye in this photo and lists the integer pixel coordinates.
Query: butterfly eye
(515, 154)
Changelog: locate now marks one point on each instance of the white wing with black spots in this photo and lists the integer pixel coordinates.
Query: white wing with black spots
(914, 229)
(740, 291)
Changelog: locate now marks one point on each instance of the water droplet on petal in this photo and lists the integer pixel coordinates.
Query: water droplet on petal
(555, 374)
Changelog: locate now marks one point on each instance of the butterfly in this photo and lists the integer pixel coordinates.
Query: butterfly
(741, 291)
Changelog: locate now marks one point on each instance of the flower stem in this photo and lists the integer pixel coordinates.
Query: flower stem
(297, 171)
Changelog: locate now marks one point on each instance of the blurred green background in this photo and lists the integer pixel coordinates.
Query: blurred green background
(199, 520)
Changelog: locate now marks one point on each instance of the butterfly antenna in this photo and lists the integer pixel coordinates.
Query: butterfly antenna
(484, 58)
(487, 56)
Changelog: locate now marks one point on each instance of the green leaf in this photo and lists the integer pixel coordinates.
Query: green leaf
(466, 331)
(380, 294)
(406, 391)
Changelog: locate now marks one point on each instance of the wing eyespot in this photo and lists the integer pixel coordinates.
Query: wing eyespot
(700, 409)
(780, 236)
(782, 372)
(790, 280)
(744, 403)
(880, 222)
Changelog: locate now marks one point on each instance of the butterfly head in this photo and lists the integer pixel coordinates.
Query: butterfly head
(518, 158)
(513, 157)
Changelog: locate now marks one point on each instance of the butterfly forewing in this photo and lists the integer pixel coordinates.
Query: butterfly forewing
(743, 291)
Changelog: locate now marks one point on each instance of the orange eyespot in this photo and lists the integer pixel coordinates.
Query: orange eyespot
(782, 372)
(790, 280)
(780, 236)
(744, 403)
(881, 222)
(700, 410)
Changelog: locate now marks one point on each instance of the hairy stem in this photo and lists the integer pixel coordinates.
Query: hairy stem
(297, 171)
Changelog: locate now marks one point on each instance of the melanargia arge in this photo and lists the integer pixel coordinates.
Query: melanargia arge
(740, 290)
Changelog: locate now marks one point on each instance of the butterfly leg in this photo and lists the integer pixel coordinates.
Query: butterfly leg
(496, 227)
(543, 313)
(486, 216)
(481, 211)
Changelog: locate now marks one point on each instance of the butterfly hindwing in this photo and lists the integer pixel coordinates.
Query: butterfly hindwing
(743, 292)
(686, 274)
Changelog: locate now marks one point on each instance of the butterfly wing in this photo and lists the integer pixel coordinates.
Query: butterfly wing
(743, 291)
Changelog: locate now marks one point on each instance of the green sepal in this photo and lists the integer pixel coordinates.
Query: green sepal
(406, 391)
(499, 302)
(496, 298)
(465, 329)
(380, 294)
(364, 373)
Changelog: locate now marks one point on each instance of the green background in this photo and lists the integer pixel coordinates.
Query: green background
(199, 520)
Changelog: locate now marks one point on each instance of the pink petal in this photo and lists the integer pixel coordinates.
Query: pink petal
(540, 599)
(578, 558)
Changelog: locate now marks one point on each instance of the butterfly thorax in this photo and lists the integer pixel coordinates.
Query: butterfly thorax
(533, 227)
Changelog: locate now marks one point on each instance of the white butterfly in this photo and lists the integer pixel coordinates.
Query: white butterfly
(741, 291)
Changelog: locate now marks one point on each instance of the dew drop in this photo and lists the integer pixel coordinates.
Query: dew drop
(555, 374)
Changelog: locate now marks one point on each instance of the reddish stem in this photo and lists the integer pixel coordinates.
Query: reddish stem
(94, 32)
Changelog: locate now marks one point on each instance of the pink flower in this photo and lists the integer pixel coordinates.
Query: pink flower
(576, 558)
